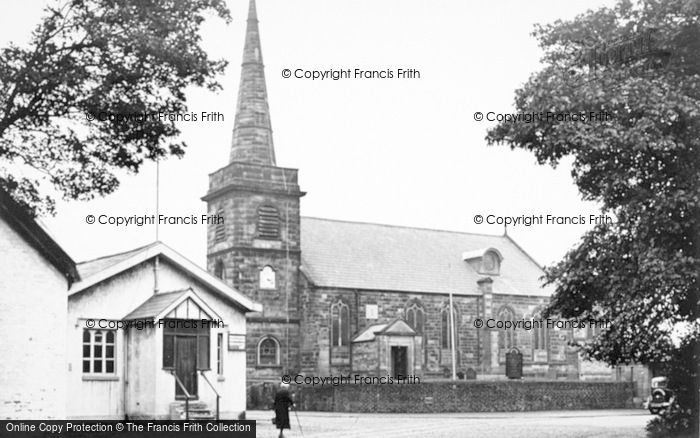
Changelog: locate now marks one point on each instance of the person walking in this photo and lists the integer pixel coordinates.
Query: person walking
(282, 403)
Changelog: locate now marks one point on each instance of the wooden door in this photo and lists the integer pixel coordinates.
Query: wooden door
(399, 361)
(186, 364)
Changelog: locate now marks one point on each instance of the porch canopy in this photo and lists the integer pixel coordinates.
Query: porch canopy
(181, 304)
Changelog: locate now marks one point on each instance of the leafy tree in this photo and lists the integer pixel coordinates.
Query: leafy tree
(642, 164)
(88, 59)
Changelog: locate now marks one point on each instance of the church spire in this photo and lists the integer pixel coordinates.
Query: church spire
(252, 130)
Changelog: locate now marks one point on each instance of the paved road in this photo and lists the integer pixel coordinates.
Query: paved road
(548, 424)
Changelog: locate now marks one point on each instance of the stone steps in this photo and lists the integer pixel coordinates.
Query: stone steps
(197, 411)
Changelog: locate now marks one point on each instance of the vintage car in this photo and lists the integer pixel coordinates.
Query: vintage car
(661, 397)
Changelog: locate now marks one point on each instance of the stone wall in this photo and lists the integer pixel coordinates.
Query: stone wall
(466, 396)
(237, 191)
(559, 360)
(316, 303)
(477, 349)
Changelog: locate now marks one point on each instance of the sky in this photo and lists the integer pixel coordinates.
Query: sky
(394, 151)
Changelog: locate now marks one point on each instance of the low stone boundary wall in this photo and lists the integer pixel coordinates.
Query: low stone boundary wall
(459, 396)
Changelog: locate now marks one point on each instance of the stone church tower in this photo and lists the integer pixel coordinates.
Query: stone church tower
(257, 247)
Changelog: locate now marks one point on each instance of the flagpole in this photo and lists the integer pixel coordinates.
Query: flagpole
(452, 340)
(157, 195)
(156, 263)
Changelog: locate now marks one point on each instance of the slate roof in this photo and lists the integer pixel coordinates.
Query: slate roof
(35, 234)
(90, 267)
(99, 270)
(395, 327)
(155, 305)
(370, 256)
(368, 334)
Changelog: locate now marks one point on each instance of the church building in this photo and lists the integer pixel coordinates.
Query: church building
(341, 297)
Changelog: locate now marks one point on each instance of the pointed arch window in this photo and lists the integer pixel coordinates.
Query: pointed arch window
(506, 338)
(340, 325)
(540, 340)
(268, 222)
(415, 317)
(268, 351)
(445, 338)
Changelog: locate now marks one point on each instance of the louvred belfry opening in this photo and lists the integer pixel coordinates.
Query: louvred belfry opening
(220, 230)
(268, 222)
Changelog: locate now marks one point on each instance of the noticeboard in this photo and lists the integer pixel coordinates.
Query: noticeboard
(236, 342)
